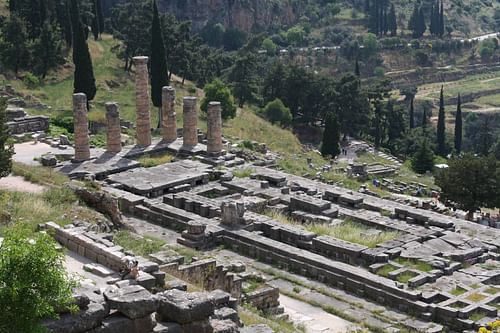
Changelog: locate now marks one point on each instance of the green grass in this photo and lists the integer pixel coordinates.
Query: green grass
(458, 291)
(251, 316)
(415, 264)
(477, 315)
(251, 285)
(148, 161)
(242, 172)
(354, 232)
(370, 158)
(405, 277)
(476, 297)
(186, 252)
(492, 290)
(348, 230)
(39, 174)
(384, 271)
(407, 175)
(490, 266)
(142, 246)
(57, 204)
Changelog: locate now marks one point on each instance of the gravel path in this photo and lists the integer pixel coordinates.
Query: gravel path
(16, 183)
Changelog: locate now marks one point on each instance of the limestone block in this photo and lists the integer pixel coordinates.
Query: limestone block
(183, 308)
(132, 301)
(81, 322)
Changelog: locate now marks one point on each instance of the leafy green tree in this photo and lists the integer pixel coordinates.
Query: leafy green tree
(217, 91)
(34, 281)
(158, 62)
(14, 45)
(458, 126)
(296, 35)
(6, 147)
(471, 182)
(331, 136)
(84, 81)
(277, 112)
(423, 159)
(441, 127)
(269, 46)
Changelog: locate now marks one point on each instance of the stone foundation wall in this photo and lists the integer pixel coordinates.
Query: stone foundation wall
(28, 124)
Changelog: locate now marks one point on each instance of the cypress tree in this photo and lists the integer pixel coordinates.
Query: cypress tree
(84, 81)
(421, 27)
(6, 147)
(100, 16)
(356, 69)
(458, 126)
(441, 20)
(95, 22)
(441, 127)
(412, 114)
(424, 118)
(158, 62)
(432, 25)
(331, 136)
(392, 22)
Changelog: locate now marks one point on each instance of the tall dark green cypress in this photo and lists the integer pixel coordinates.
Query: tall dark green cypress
(84, 72)
(95, 21)
(458, 126)
(424, 118)
(432, 24)
(412, 114)
(441, 20)
(158, 61)
(392, 23)
(421, 27)
(356, 68)
(100, 16)
(441, 127)
(331, 136)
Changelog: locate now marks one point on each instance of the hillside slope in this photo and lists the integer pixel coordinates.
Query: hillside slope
(465, 17)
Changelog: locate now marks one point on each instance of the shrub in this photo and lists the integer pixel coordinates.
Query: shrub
(31, 81)
(277, 112)
(33, 279)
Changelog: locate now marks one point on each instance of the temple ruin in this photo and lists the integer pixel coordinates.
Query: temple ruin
(113, 128)
(190, 129)
(169, 119)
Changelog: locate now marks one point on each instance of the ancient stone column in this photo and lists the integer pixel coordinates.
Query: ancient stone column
(81, 124)
(113, 129)
(190, 132)
(214, 128)
(143, 119)
(169, 126)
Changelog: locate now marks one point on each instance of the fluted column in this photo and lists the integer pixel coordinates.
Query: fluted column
(81, 125)
(214, 128)
(113, 129)
(143, 119)
(169, 125)
(190, 131)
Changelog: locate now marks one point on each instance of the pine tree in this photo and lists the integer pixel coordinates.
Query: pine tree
(423, 159)
(412, 114)
(84, 81)
(158, 62)
(14, 44)
(441, 127)
(48, 48)
(458, 126)
(392, 24)
(331, 136)
(6, 147)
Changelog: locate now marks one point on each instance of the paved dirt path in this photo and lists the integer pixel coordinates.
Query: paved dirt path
(16, 183)
(314, 319)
